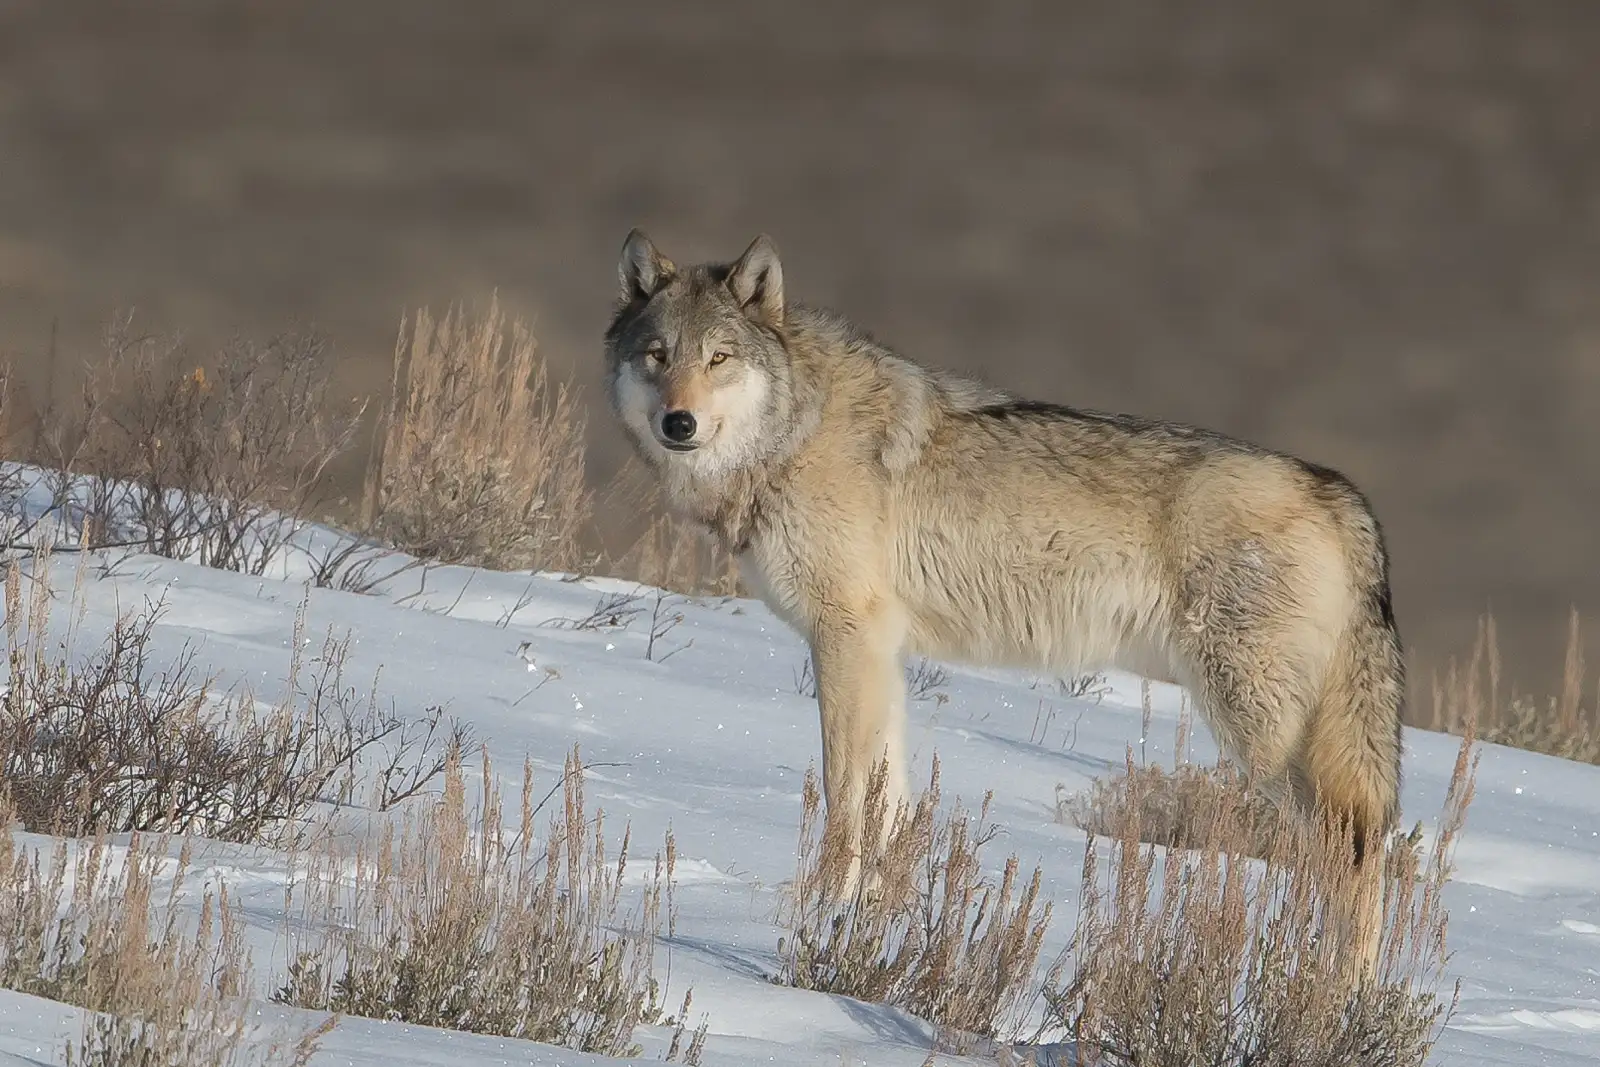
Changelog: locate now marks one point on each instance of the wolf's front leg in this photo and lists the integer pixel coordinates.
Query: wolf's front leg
(861, 692)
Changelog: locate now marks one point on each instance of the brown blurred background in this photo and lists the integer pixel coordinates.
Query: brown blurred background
(1365, 232)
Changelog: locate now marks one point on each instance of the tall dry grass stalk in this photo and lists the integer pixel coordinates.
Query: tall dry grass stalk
(452, 923)
(1473, 694)
(1198, 954)
(479, 456)
(924, 929)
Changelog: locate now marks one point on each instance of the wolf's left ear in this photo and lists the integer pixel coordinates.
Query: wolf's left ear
(642, 270)
(756, 281)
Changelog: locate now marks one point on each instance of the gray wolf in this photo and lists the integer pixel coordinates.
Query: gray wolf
(884, 508)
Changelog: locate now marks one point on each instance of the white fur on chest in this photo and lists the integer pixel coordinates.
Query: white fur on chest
(772, 577)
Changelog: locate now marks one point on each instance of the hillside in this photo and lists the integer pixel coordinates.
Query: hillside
(710, 739)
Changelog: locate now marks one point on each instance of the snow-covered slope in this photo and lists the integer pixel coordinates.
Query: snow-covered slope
(711, 739)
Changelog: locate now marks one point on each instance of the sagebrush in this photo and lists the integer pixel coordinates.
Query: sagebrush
(88, 922)
(216, 458)
(479, 456)
(103, 741)
(1198, 953)
(454, 923)
(925, 927)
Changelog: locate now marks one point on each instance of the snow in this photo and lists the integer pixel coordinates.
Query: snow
(711, 740)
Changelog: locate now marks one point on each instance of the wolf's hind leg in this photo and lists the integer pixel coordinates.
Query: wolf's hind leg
(1267, 706)
(1257, 710)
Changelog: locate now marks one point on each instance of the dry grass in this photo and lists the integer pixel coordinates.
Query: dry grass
(107, 743)
(924, 929)
(452, 924)
(217, 459)
(1170, 805)
(479, 457)
(1174, 808)
(672, 555)
(1195, 954)
(89, 925)
(175, 1034)
(1560, 725)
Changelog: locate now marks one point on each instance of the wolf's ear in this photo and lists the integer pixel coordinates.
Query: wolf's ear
(756, 281)
(642, 270)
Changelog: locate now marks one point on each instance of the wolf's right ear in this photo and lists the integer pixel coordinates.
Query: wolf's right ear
(642, 270)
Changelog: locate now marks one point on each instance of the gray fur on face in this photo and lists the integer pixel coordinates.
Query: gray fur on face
(670, 321)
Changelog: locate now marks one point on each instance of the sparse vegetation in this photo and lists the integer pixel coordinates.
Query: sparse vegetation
(1173, 805)
(1189, 956)
(478, 457)
(218, 459)
(669, 553)
(1174, 808)
(925, 928)
(925, 680)
(455, 925)
(111, 744)
(87, 923)
(1091, 686)
(204, 1035)
(1566, 725)
(613, 611)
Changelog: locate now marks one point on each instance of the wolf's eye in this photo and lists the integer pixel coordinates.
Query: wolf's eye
(656, 352)
(718, 357)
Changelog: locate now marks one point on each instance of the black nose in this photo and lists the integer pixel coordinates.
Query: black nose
(678, 426)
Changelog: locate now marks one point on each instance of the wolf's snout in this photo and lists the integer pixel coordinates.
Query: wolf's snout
(678, 426)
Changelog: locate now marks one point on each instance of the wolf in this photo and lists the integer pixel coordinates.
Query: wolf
(884, 508)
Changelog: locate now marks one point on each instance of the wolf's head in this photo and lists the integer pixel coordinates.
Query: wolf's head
(697, 367)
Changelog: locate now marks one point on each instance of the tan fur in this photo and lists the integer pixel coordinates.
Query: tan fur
(885, 510)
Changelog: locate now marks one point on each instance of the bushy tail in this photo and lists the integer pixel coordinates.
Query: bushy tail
(1353, 744)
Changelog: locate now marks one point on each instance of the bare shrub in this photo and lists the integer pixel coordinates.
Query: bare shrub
(453, 925)
(356, 564)
(1091, 686)
(214, 460)
(15, 524)
(479, 457)
(670, 555)
(110, 744)
(924, 929)
(89, 926)
(925, 680)
(805, 679)
(1560, 725)
(662, 622)
(1202, 956)
(613, 611)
